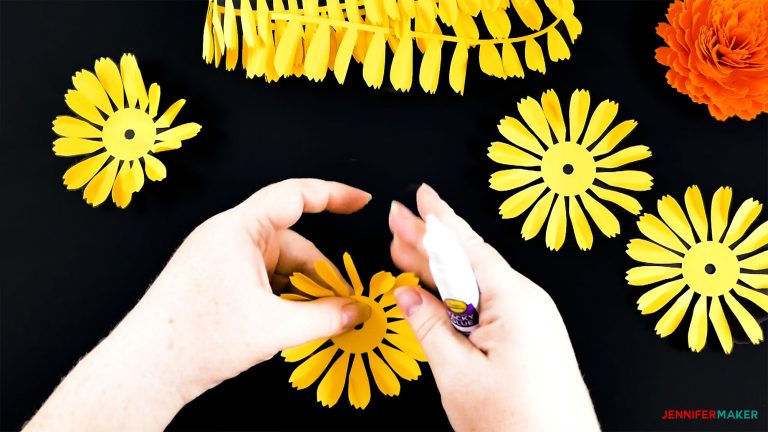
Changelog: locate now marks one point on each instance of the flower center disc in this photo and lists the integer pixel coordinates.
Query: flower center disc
(367, 337)
(129, 134)
(568, 168)
(711, 268)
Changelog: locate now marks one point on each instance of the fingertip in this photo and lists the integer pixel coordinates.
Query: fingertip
(408, 299)
(354, 313)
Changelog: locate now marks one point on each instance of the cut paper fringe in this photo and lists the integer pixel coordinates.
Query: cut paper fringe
(117, 120)
(309, 40)
(385, 345)
(563, 170)
(702, 261)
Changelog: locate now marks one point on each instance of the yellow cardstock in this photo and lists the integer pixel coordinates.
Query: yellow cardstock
(702, 262)
(117, 127)
(562, 168)
(383, 344)
(309, 40)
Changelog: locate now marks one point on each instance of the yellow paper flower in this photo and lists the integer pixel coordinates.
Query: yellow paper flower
(563, 174)
(117, 120)
(709, 262)
(385, 341)
(309, 39)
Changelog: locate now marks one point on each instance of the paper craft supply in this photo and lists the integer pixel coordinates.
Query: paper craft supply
(116, 126)
(712, 260)
(717, 54)
(385, 345)
(310, 40)
(453, 275)
(562, 169)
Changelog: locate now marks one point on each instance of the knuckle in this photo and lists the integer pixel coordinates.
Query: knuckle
(427, 327)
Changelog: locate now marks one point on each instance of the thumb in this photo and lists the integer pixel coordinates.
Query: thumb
(442, 344)
(304, 321)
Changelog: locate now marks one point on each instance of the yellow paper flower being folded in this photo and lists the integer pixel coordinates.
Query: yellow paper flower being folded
(562, 173)
(709, 262)
(116, 115)
(385, 341)
(312, 39)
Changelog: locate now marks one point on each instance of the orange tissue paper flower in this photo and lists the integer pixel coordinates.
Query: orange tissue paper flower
(717, 54)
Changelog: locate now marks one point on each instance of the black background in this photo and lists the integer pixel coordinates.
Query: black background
(70, 272)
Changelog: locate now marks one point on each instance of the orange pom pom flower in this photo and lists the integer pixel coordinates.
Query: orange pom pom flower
(718, 54)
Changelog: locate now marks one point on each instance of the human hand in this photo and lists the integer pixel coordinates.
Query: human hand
(517, 370)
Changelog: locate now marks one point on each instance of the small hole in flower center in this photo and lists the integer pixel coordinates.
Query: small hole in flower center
(710, 268)
(568, 169)
(129, 134)
(359, 326)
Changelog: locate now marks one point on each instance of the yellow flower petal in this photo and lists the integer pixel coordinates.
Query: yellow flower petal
(747, 321)
(573, 25)
(755, 240)
(401, 70)
(404, 365)
(519, 135)
(109, 77)
(294, 297)
(138, 176)
(658, 297)
(318, 53)
(580, 225)
(601, 119)
(90, 87)
(75, 146)
(529, 13)
(169, 115)
(745, 215)
(671, 319)
(429, 71)
(612, 138)
(513, 178)
(534, 56)
(621, 199)
(755, 280)
(302, 351)
(625, 156)
(82, 172)
(354, 277)
(497, 22)
(720, 323)
(179, 133)
(248, 20)
(551, 105)
(537, 216)
(74, 128)
(515, 205)
(509, 155)
(458, 71)
(604, 219)
(628, 179)
(697, 332)
(373, 66)
(721, 203)
(395, 313)
(406, 279)
(308, 286)
(123, 187)
(359, 390)
(133, 83)
(646, 275)
(534, 117)
(381, 283)
(694, 203)
(154, 99)
(165, 146)
(83, 107)
(154, 168)
(407, 344)
(577, 113)
(556, 227)
(651, 253)
(558, 49)
(754, 296)
(653, 228)
(310, 370)
(330, 276)
(756, 262)
(98, 188)
(344, 54)
(673, 215)
(385, 379)
(490, 61)
(332, 385)
(511, 61)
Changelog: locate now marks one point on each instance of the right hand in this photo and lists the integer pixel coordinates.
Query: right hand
(517, 371)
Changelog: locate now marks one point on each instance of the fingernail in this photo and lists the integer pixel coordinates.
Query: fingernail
(354, 313)
(395, 208)
(429, 191)
(408, 300)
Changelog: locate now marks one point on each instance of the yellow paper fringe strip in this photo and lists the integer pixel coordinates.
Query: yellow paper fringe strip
(312, 39)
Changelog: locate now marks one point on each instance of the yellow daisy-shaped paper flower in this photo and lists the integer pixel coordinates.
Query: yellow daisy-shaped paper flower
(384, 343)
(117, 122)
(566, 169)
(707, 262)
